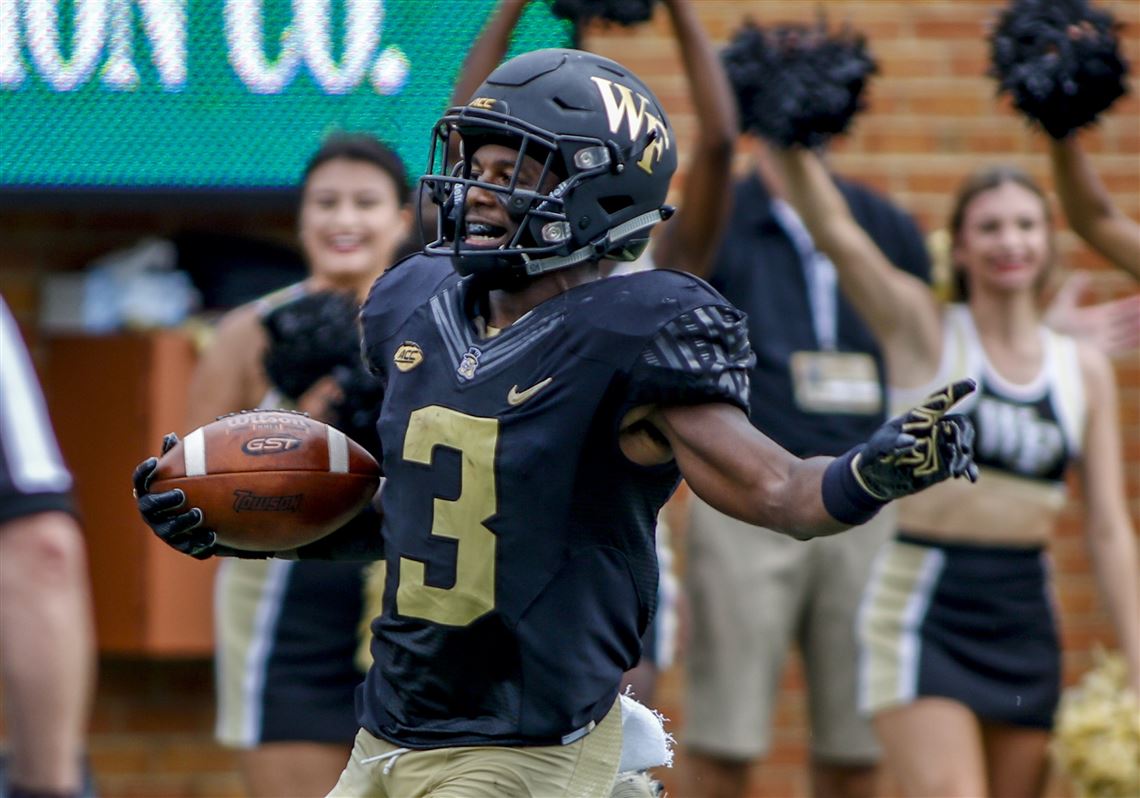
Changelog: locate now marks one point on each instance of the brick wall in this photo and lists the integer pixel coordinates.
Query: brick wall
(933, 118)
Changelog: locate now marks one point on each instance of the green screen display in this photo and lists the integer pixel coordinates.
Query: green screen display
(225, 94)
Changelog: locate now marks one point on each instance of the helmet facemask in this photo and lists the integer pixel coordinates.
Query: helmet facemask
(604, 150)
(544, 239)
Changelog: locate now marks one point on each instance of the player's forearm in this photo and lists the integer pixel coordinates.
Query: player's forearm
(741, 472)
(791, 504)
(806, 512)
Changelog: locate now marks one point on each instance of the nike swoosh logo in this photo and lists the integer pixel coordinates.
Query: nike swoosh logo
(517, 397)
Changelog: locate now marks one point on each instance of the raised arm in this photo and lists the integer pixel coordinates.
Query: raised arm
(690, 239)
(1089, 208)
(488, 51)
(1108, 528)
(901, 311)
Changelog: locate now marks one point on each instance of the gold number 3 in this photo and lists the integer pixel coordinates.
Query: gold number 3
(461, 519)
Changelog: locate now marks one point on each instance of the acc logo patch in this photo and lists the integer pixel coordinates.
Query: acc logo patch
(408, 356)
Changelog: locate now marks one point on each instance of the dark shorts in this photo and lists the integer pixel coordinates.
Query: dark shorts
(287, 639)
(975, 624)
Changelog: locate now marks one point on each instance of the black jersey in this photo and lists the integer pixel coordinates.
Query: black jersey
(518, 538)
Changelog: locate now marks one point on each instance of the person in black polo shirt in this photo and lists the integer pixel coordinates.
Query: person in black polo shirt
(817, 387)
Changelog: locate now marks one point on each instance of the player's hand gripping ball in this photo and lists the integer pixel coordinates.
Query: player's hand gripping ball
(260, 481)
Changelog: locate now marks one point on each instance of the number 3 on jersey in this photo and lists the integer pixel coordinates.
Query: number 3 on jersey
(461, 519)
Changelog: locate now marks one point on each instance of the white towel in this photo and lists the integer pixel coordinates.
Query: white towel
(645, 743)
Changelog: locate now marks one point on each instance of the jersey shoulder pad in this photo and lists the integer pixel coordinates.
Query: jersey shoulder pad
(401, 289)
(638, 304)
(697, 353)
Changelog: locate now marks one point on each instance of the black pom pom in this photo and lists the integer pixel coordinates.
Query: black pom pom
(315, 336)
(308, 337)
(623, 12)
(797, 85)
(1059, 60)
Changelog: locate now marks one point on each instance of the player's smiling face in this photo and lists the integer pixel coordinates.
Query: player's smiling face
(351, 220)
(488, 224)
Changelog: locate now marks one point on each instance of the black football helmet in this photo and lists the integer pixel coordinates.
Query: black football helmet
(593, 126)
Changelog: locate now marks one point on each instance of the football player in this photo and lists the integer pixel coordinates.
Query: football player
(534, 419)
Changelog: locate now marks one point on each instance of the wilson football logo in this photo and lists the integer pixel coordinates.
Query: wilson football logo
(271, 444)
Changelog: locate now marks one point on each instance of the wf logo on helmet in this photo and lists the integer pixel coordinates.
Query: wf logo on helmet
(621, 105)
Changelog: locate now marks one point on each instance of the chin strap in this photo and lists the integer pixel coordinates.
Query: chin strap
(599, 248)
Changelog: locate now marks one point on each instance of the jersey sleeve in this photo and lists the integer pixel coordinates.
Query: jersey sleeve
(702, 355)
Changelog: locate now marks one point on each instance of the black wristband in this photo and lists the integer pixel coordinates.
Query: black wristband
(843, 497)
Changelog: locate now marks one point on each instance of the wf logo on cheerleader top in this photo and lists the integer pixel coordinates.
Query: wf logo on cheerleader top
(1017, 437)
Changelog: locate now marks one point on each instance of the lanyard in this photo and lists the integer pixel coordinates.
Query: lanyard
(819, 274)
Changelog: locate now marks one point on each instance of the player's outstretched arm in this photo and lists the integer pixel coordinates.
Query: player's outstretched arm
(743, 473)
(180, 527)
(1089, 208)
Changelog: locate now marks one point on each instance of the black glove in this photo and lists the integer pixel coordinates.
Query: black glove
(183, 530)
(920, 448)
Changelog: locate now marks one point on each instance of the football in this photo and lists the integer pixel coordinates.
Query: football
(269, 480)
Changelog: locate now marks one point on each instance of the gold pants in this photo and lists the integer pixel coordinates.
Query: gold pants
(584, 769)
